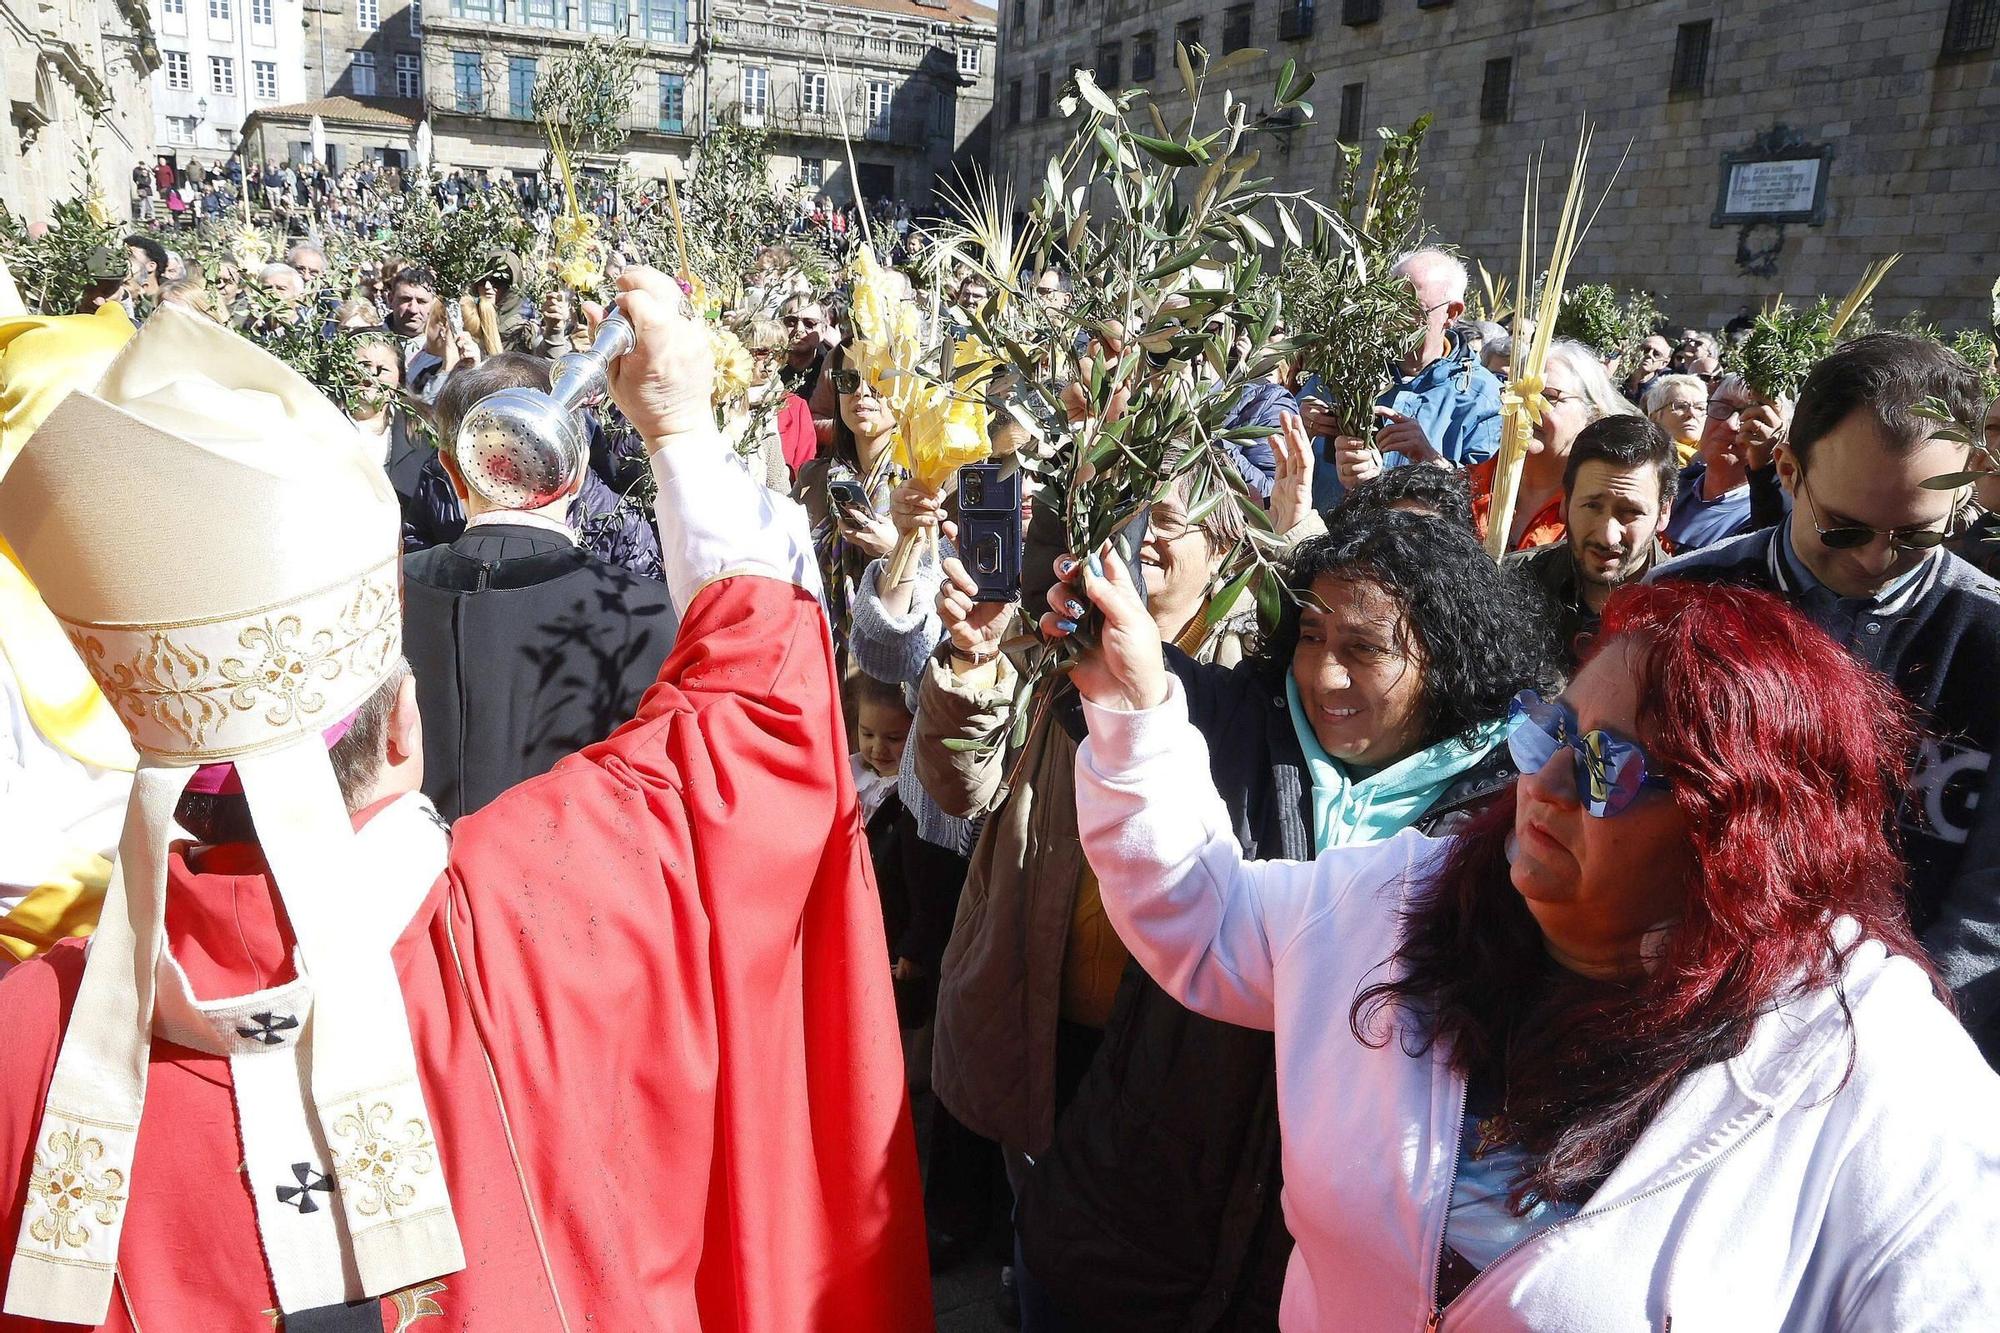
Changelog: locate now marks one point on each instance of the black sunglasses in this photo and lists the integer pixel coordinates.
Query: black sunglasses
(1848, 537)
(847, 381)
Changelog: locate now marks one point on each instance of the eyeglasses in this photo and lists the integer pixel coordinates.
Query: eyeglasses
(798, 322)
(1720, 409)
(1556, 397)
(1850, 536)
(1610, 770)
(847, 381)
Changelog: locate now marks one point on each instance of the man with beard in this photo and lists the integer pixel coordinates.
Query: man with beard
(1617, 494)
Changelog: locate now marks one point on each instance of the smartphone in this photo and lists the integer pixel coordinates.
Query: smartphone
(847, 494)
(989, 528)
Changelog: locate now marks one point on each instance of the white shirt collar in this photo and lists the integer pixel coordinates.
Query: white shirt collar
(522, 519)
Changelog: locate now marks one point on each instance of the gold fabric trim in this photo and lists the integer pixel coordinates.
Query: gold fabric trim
(222, 688)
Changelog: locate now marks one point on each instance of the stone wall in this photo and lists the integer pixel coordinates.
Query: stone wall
(1915, 138)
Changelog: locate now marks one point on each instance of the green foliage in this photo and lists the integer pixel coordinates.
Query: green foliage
(1784, 345)
(588, 96)
(453, 245)
(324, 357)
(731, 208)
(52, 271)
(1608, 322)
(1979, 350)
(1349, 317)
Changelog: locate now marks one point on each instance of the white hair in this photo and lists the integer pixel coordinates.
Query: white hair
(1587, 369)
(1438, 275)
(1657, 391)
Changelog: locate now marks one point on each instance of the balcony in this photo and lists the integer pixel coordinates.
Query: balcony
(753, 35)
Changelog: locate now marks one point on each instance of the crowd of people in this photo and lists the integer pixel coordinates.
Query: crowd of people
(1597, 937)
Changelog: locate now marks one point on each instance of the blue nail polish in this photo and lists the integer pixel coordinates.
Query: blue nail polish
(1074, 607)
(1065, 627)
(1096, 566)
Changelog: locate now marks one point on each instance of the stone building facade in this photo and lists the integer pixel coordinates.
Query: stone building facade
(74, 74)
(1775, 148)
(913, 80)
(220, 60)
(910, 83)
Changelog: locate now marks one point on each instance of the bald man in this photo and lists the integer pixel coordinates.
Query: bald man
(1442, 406)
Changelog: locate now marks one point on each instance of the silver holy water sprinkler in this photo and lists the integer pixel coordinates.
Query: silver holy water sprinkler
(521, 448)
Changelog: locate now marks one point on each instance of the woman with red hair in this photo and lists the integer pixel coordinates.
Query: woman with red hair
(1650, 1041)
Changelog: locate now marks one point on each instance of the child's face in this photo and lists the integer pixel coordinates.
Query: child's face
(882, 729)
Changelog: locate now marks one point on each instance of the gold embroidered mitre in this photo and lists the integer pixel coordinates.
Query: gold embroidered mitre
(215, 540)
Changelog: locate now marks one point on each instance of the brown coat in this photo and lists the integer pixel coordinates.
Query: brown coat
(994, 1058)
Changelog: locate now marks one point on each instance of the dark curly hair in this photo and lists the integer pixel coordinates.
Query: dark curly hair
(1483, 633)
(1416, 487)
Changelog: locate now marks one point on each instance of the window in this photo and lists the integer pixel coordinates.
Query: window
(367, 15)
(176, 8)
(1690, 76)
(219, 10)
(1014, 102)
(264, 76)
(180, 129)
(968, 61)
(416, 18)
(1188, 33)
(812, 93)
(545, 13)
(1142, 55)
(176, 65)
(1020, 14)
(221, 74)
(1355, 13)
(1235, 28)
(1296, 20)
(881, 95)
(1108, 75)
(667, 20)
(1042, 95)
(521, 87)
(1048, 9)
(1349, 130)
(1496, 90)
(409, 80)
(756, 90)
(487, 10)
(1432, 4)
(260, 13)
(606, 16)
(673, 103)
(361, 73)
(812, 173)
(467, 86)
(1971, 27)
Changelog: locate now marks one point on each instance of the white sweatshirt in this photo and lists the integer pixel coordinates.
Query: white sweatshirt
(1766, 1195)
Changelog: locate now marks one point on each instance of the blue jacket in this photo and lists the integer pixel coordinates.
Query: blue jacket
(1454, 398)
(1260, 403)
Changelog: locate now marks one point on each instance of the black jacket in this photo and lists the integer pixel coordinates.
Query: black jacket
(1939, 642)
(525, 649)
(616, 532)
(1156, 1207)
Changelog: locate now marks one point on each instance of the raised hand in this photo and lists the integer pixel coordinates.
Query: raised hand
(1127, 668)
(1291, 489)
(1403, 435)
(973, 628)
(663, 385)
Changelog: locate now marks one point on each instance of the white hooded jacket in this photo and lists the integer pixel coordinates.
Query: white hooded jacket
(1767, 1195)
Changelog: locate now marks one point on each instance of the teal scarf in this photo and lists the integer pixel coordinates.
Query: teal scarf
(1386, 802)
